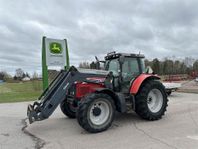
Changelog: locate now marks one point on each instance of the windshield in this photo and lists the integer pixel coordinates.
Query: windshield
(113, 65)
(130, 68)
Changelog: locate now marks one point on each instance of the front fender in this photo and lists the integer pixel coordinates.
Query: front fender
(136, 84)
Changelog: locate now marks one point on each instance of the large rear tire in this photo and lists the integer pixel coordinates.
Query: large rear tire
(96, 112)
(151, 100)
(68, 109)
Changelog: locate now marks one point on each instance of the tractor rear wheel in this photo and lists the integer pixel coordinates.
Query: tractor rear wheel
(68, 109)
(151, 100)
(96, 112)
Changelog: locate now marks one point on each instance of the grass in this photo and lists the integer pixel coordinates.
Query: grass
(18, 92)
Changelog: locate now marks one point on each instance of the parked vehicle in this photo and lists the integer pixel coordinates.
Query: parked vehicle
(93, 96)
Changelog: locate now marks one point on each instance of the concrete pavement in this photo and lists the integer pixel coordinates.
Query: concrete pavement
(11, 123)
(178, 129)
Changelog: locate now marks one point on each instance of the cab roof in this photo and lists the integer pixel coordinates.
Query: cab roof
(113, 55)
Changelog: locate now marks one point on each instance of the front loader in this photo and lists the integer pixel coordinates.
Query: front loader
(93, 96)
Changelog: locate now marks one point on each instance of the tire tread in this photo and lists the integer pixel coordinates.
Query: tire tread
(82, 112)
(141, 101)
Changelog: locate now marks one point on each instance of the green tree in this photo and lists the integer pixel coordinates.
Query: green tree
(177, 67)
(183, 68)
(168, 67)
(147, 62)
(156, 65)
(93, 65)
(5, 76)
(195, 66)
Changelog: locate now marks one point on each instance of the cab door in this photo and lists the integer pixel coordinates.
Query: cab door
(130, 70)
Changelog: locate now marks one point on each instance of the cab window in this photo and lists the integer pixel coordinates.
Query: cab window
(113, 65)
(130, 68)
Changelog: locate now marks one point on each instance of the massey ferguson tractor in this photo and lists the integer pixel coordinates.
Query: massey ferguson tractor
(93, 96)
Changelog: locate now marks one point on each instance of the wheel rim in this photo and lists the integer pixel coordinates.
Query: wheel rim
(155, 100)
(99, 112)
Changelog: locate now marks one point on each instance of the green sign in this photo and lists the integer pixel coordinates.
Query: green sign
(56, 48)
(54, 53)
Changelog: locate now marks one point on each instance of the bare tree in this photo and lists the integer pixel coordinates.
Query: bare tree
(19, 73)
(35, 75)
(85, 65)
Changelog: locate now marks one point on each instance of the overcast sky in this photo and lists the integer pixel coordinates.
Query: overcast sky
(156, 28)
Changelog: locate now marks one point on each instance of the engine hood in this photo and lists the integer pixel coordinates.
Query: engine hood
(99, 79)
(93, 71)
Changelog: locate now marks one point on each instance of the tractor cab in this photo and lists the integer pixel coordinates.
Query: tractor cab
(125, 68)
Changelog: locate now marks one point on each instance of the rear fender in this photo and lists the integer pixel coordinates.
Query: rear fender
(136, 84)
(119, 99)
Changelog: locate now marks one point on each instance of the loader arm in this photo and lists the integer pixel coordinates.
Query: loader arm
(55, 94)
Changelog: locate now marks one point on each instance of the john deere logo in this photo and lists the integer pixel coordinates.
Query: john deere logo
(55, 48)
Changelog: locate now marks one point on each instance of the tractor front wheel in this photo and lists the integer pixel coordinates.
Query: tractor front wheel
(96, 112)
(151, 100)
(68, 109)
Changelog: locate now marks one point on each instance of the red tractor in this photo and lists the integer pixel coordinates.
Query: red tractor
(93, 96)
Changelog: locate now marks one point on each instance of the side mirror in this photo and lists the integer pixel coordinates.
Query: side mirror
(121, 59)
